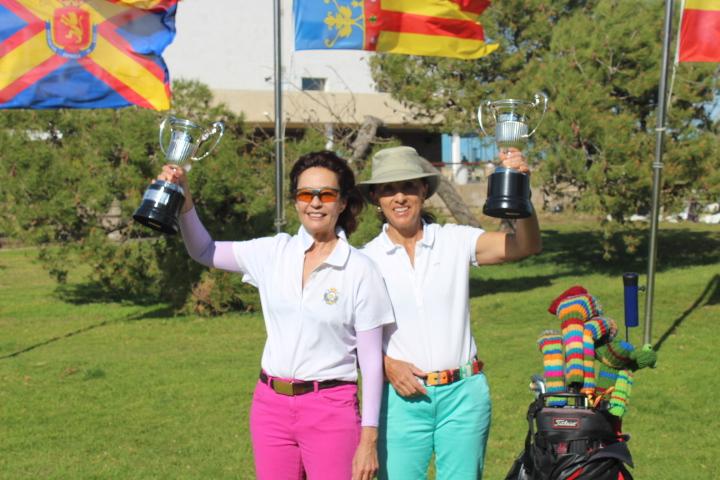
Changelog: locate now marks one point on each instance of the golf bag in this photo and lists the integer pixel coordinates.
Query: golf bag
(572, 442)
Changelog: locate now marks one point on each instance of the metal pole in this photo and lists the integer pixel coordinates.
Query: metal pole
(657, 171)
(279, 134)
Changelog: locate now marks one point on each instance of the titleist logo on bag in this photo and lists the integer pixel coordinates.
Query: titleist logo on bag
(573, 423)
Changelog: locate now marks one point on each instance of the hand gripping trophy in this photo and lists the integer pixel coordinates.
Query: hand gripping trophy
(162, 200)
(508, 193)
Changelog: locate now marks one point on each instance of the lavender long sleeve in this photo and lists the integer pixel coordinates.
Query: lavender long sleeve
(202, 248)
(370, 357)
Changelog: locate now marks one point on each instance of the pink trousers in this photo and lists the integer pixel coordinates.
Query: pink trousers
(315, 433)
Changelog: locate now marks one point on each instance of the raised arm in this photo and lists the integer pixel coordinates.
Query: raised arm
(201, 247)
(498, 247)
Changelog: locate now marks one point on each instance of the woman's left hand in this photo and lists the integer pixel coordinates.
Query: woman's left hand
(365, 461)
(513, 158)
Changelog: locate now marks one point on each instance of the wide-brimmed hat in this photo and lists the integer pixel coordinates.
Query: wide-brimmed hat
(396, 164)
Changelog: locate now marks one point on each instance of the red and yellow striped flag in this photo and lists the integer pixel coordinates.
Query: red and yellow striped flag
(700, 31)
(443, 28)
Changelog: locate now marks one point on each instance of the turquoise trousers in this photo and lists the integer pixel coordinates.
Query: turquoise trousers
(453, 421)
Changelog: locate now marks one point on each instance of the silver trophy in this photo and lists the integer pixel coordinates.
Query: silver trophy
(163, 200)
(509, 190)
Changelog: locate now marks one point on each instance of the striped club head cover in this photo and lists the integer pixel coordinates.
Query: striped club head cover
(573, 312)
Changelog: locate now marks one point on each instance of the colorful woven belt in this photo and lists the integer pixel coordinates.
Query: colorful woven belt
(446, 377)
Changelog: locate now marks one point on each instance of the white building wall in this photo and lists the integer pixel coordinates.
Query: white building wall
(228, 45)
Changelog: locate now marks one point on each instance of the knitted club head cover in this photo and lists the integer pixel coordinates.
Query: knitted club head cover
(645, 357)
(620, 397)
(570, 292)
(619, 354)
(573, 312)
(593, 331)
(605, 375)
(611, 358)
(550, 345)
(600, 327)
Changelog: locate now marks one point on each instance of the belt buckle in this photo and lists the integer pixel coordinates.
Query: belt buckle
(441, 377)
(283, 388)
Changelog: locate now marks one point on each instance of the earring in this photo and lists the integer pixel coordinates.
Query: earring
(378, 208)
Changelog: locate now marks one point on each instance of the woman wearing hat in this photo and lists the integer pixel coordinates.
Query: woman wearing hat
(438, 401)
(324, 306)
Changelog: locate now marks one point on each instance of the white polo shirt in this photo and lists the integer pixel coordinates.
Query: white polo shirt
(431, 299)
(311, 331)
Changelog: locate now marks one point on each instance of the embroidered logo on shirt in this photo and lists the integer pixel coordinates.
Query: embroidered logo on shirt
(331, 296)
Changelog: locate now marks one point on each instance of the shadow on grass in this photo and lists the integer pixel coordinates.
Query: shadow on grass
(581, 252)
(487, 286)
(578, 253)
(709, 296)
(91, 292)
(160, 312)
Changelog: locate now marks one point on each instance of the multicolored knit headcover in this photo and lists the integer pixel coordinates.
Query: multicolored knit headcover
(573, 312)
(550, 345)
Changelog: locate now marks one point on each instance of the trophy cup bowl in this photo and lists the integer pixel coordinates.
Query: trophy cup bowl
(163, 200)
(508, 194)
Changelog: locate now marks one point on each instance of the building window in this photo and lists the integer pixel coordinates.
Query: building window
(313, 83)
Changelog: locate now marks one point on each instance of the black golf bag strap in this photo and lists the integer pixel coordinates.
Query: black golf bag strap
(533, 409)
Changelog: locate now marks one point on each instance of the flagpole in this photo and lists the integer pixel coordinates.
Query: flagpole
(279, 134)
(657, 172)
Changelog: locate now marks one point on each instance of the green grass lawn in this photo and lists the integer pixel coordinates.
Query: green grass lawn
(118, 390)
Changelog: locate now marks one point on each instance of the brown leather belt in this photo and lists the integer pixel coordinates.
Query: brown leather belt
(299, 388)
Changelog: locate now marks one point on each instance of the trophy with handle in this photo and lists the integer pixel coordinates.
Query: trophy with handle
(508, 194)
(163, 200)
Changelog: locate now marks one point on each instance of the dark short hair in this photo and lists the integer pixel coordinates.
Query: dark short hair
(348, 219)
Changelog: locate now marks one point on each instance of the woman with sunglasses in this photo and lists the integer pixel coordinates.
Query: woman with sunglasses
(324, 306)
(439, 400)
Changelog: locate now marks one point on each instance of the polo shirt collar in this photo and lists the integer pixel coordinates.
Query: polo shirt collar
(340, 253)
(427, 240)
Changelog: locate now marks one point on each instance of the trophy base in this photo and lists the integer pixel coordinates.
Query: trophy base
(160, 207)
(508, 195)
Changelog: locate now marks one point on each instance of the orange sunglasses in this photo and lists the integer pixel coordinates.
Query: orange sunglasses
(326, 195)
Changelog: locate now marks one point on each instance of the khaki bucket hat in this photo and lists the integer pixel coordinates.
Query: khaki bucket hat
(396, 164)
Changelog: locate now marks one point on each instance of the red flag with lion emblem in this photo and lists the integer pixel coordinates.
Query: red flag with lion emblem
(85, 53)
